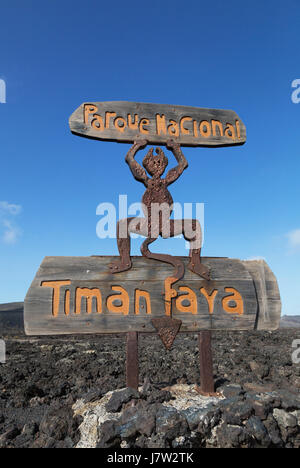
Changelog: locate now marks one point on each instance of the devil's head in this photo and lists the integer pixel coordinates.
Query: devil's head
(155, 165)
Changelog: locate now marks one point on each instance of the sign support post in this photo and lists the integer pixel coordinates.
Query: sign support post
(132, 360)
(206, 364)
(207, 386)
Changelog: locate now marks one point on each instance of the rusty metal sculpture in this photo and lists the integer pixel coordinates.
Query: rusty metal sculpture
(158, 196)
(157, 205)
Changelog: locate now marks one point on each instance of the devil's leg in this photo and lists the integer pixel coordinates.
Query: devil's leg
(124, 228)
(123, 241)
(191, 230)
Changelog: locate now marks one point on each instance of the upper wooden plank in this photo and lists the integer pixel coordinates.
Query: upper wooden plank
(124, 122)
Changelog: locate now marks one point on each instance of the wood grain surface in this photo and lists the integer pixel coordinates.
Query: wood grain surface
(74, 295)
(123, 121)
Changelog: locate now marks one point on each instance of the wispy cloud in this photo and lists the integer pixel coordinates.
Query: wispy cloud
(9, 208)
(9, 230)
(294, 239)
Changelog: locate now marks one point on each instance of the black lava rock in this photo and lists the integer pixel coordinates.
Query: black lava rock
(43, 377)
(119, 398)
(170, 423)
(109, 435)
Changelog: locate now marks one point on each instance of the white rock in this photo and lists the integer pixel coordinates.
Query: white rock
(94, 414)
(187, 396)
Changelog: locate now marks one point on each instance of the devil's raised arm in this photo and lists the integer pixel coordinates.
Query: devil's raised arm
(137, 170)
(176, 172)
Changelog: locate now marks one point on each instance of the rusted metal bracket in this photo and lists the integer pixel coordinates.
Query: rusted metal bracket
(132, 360)
(167, 329)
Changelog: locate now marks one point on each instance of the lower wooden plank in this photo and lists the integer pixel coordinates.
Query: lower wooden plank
(78, 295)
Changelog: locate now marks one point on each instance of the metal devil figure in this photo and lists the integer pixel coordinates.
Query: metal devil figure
(154, 293)
(158, 223)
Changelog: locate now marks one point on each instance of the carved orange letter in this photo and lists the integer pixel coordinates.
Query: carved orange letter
(146, 296)
(97, 123)
(118, 121)
(132, 125)
(195, 128)
(205, 125)
(217, 124)
(184, 130)
(191, 297)
(88, 294)
(56, 293)
(108, 115)
(161, 124)
(124, 307)
(142, 128)
(169, 293)
(237, 298)
(238, 129)
(210, 298)
(89, 109)
(67, 302)
(230, 132)
(173, 128)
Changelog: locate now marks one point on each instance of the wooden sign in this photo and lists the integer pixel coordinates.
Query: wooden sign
(123, 121)
(75, 295)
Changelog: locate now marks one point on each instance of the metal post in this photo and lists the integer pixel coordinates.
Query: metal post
(132, 360)
(206, 363)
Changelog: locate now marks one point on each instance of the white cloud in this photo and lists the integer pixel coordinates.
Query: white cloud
(10, 231)
(294, 238)
(9, 208)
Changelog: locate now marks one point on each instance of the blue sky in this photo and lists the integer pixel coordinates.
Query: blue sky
(54, 55)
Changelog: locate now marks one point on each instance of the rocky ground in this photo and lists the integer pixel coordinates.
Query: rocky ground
(69, 391)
